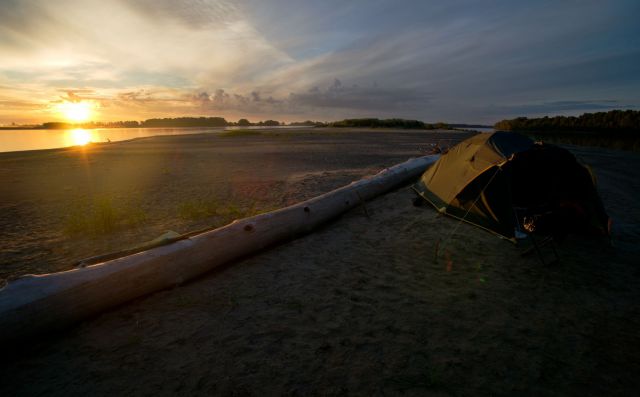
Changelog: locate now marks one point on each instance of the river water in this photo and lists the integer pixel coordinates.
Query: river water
(17, 140)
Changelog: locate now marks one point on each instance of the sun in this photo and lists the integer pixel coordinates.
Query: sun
(75, 111)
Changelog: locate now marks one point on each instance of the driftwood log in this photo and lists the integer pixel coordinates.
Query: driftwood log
(35, 304)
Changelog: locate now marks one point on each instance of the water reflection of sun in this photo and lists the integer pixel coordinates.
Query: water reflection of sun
(78, 137)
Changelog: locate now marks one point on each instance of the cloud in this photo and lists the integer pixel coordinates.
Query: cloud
(194, 14)
(98, 40)
(460, 61)
(76, 96)
(354, 97)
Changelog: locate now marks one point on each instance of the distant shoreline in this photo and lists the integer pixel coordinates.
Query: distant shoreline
(220, 122)
(619, 140)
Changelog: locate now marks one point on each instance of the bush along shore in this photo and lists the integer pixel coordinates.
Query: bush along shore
(616, 129)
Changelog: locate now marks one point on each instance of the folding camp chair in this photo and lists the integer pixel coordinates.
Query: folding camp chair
(526, 232)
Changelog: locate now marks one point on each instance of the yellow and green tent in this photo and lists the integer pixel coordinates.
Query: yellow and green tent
(494, 180)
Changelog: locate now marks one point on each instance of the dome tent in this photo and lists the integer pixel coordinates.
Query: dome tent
(498, 181)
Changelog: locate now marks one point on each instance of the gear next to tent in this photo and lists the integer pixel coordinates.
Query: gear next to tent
(506, 184)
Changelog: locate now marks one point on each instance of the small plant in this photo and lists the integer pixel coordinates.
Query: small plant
(97, 217)
(231, 210)
(135, 216)
(194, 210)
(235, 133)
(104, 216)
(101, 216)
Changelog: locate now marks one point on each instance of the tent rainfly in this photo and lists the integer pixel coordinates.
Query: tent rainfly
(500, 181)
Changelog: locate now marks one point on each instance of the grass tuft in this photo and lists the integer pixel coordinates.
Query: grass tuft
(194, 210)
(197, 209)
(236, 133)
(102, 216)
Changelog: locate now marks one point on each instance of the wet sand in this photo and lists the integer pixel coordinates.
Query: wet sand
(363, 307)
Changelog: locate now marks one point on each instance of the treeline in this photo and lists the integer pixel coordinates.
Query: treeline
(387, 123)
(89, 125)
(185, 122)
(615, 120)
(618, 129)
(308, 123)
(247, 123)
(182, 122)
(179, 122)
(205, 122)
(469, 126)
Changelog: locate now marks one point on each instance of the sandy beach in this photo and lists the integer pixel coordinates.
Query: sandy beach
(62, 205)
(360, 307)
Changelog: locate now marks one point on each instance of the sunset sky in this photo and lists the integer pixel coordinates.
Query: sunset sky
(455, 61)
